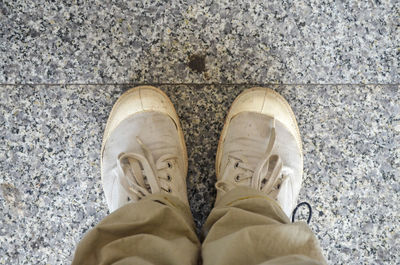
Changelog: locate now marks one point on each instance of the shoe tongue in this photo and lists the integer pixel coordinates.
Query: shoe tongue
(251, 160)
(248, 136)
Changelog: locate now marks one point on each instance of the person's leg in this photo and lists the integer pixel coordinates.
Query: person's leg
(248, 227)
(143, 168)
(259, 168)
(156, 230)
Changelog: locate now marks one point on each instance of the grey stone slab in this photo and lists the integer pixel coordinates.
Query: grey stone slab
(51, 193)
(95, 41)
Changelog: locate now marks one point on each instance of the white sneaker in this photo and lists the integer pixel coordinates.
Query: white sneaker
(260, 147)
(143, 150)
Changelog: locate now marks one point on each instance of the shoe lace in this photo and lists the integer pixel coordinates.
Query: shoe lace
(267, 175)
(139, 175)
(298, 206)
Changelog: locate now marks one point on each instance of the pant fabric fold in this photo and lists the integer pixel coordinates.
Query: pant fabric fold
(158, 229)
(245, 227)
(248, 227)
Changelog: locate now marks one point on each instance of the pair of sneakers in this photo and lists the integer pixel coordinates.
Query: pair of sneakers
(143, 150)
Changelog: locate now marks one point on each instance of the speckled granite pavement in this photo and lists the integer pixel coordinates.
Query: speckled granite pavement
(151, 41)
(63, 65)
(50, 188)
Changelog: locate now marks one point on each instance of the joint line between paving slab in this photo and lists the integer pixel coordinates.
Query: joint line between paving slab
(200, 84)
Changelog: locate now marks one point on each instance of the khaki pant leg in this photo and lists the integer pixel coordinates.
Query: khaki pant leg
(158, 229)
(247, 227)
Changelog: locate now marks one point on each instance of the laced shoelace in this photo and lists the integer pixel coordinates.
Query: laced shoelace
(298, 206)
(138, 174)
(263, 170)
(264, 177)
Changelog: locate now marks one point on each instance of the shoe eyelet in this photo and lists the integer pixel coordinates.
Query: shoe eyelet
(169, 178)
(169, 165)
(236, 165)
(237, 178)
(169, 190)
